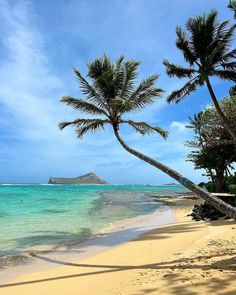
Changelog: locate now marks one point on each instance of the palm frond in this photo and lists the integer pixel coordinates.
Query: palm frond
(97, 125)
(106, 76)
(119, 75)
(113, 80)
(183, 44)
(232, 6)
(225, 75)
(99, 66)
(226, 38)
(188, 88)
(221, 30)
(229, 56)
(89, 90)
(196, 121)
(202, 29)
(145, 129)
(78, 122)
(231, 66)
(178, 71)
(83, 106)
(220, 44)
(85, 125)
(129, 74)
(144, 94)
(120, 61)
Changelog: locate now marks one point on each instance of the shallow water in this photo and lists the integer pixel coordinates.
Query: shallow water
(42, 217)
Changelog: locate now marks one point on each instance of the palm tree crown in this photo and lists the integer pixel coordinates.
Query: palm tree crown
(206, 49)
(232, 6)
(110, 93)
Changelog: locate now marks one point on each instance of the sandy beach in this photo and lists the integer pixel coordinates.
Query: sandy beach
(182, 257)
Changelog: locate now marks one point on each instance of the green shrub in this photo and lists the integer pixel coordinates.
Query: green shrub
(231, 180)
(211, 187)
(232, 188)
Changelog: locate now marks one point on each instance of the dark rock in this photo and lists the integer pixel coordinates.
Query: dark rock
(205, 212)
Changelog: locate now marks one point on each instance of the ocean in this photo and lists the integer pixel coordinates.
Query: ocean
(44, 217)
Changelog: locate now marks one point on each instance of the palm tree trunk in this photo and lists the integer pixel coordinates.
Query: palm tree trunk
(225, 208)
(224, 119)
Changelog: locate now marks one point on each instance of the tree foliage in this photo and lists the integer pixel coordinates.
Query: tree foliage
(205, 45)
(110, 93)
(206, 48)
(232, 6)
(214, 150)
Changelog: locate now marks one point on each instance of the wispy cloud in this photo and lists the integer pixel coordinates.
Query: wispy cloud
(38, 49)
(179, 126)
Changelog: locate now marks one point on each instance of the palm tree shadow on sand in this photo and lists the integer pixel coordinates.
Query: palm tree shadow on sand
(175, 265)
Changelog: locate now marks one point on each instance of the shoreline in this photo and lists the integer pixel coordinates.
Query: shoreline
(109, 237)
(13, 255)
(181, 257)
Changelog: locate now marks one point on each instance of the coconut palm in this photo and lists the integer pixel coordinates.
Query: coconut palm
(206, 50)
(232, 6)
(110, 93)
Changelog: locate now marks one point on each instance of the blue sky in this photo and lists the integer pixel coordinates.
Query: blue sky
(41, 41)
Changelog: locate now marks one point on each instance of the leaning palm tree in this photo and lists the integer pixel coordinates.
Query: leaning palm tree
(110, 94)
(206, 50)
(232, 6)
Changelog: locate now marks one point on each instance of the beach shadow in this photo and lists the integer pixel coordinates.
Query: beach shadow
(188, 288)
(169, 230)
(228, 264)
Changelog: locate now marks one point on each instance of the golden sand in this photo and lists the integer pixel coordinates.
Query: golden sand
(185, 257)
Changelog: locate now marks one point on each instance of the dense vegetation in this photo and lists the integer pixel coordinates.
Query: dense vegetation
(214, 150)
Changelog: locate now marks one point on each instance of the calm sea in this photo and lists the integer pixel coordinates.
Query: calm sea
(42, 217)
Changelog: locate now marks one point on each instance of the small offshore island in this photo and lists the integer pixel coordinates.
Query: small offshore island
(89, 178)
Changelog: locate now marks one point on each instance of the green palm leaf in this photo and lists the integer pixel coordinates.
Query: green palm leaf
(144, 94)
(129, 76)
(90, 91)
(184, 45)
(232, 6)
(85, 125)
(97, 125)
(229, 56)
(231, 66)
(178, 71)
(83, 106)
(225, 75)
(188, 88)
(145, 129)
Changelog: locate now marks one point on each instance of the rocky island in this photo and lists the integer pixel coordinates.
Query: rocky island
(89, 178)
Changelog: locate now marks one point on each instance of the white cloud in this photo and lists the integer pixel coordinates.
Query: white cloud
(179, 126)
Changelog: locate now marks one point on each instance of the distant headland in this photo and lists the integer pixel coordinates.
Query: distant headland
(89, 178)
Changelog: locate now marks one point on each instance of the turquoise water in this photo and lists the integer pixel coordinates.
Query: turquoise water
(42, 217)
